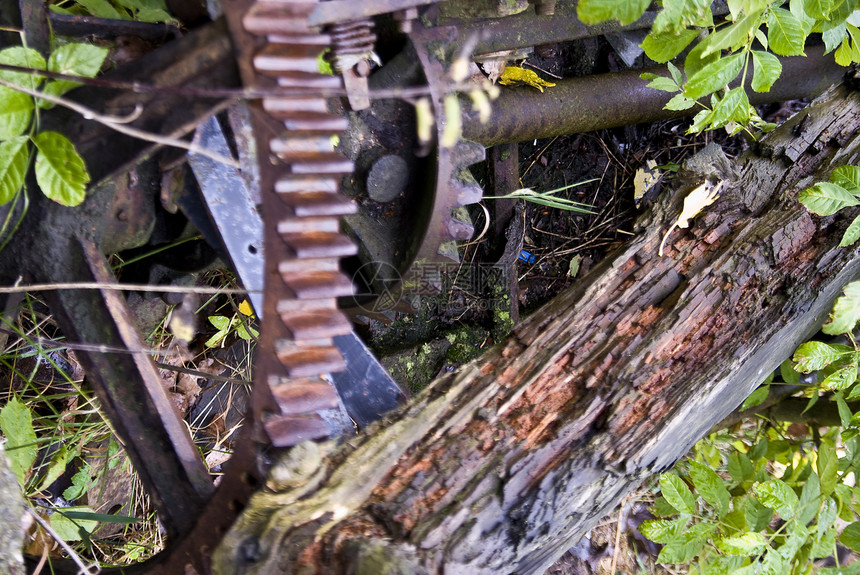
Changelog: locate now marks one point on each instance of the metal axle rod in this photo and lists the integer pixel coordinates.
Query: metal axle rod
(591, 103)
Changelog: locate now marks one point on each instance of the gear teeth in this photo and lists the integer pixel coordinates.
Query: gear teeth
(308, 360)
(289, 430)
(305, 396)
(460, 225)
(308, 280)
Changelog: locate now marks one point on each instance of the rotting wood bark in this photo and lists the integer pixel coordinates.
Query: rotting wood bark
(502, 466)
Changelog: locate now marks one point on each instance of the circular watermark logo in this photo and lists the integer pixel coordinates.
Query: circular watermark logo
(378, 286)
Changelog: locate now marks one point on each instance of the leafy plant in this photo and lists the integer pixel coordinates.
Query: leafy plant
(770, 505)
(744, 45)
(548, 198)
(52, 425)
(227, 325)
(827, 198)
(140, 10)
(59, 169)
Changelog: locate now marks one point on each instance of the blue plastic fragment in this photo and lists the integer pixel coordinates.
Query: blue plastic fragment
(527, 257)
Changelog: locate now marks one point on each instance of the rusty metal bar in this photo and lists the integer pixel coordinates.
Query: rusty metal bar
(131, 392)
(591, 103)
(530, 29)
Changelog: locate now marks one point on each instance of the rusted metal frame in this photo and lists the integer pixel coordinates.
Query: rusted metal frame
(591, 103)
(342, 10)
(131, 391)
(528, 29)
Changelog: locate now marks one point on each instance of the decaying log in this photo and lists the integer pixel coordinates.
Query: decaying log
(503, 465)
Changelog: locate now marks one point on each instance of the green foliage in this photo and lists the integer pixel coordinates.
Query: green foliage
(16, 423)
(548, 198)
(827, 198)
(140, 10)
(740, 48)
(60, 170)
(227, 325)
(745, 516)
(770, 503)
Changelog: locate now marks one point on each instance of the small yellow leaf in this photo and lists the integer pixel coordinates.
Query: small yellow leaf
(515, 74)
(696, 201)
(424, 120)
(245, 308)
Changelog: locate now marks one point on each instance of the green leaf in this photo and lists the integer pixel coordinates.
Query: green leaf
(102, 9)
(735, 35)
(833, 37)
(844, 55)
(60, 170)
(16, 423)
(77, 59)
(842, 378)
(713, 76)
(854, 32)
(87, 515)
(246, 333)
(743, 544)
(700, 121)
(597, 11)
(826, 198)
(696, 59)
(740, 467)
(852, 233)
(846, 311)
(785, 33)
(827, 516)
(679, 102)
(16, 110)
(676, 73)
(788, 373)
(80, 484)
(757, 397)
(778, 496)
(14, 158)
(56, 467)
(810, 500)
(661, 508)
(733, 107)
(677, 494)
(665, 46)
(687, 545)
(221, 322)
(848, 177)
(797, 536)
(845, 414)
(818, 9)
(664, 84)
(72, 529)
(154, 15)
(710, 486)
(851, 536)
(815, 355)
(806, 21)
(757, 515)
(663, 530)
(766, 69)
(679, 14)
(828, 467)
(25, 58)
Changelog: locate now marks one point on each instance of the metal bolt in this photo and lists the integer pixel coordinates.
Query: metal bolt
(362, 69)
